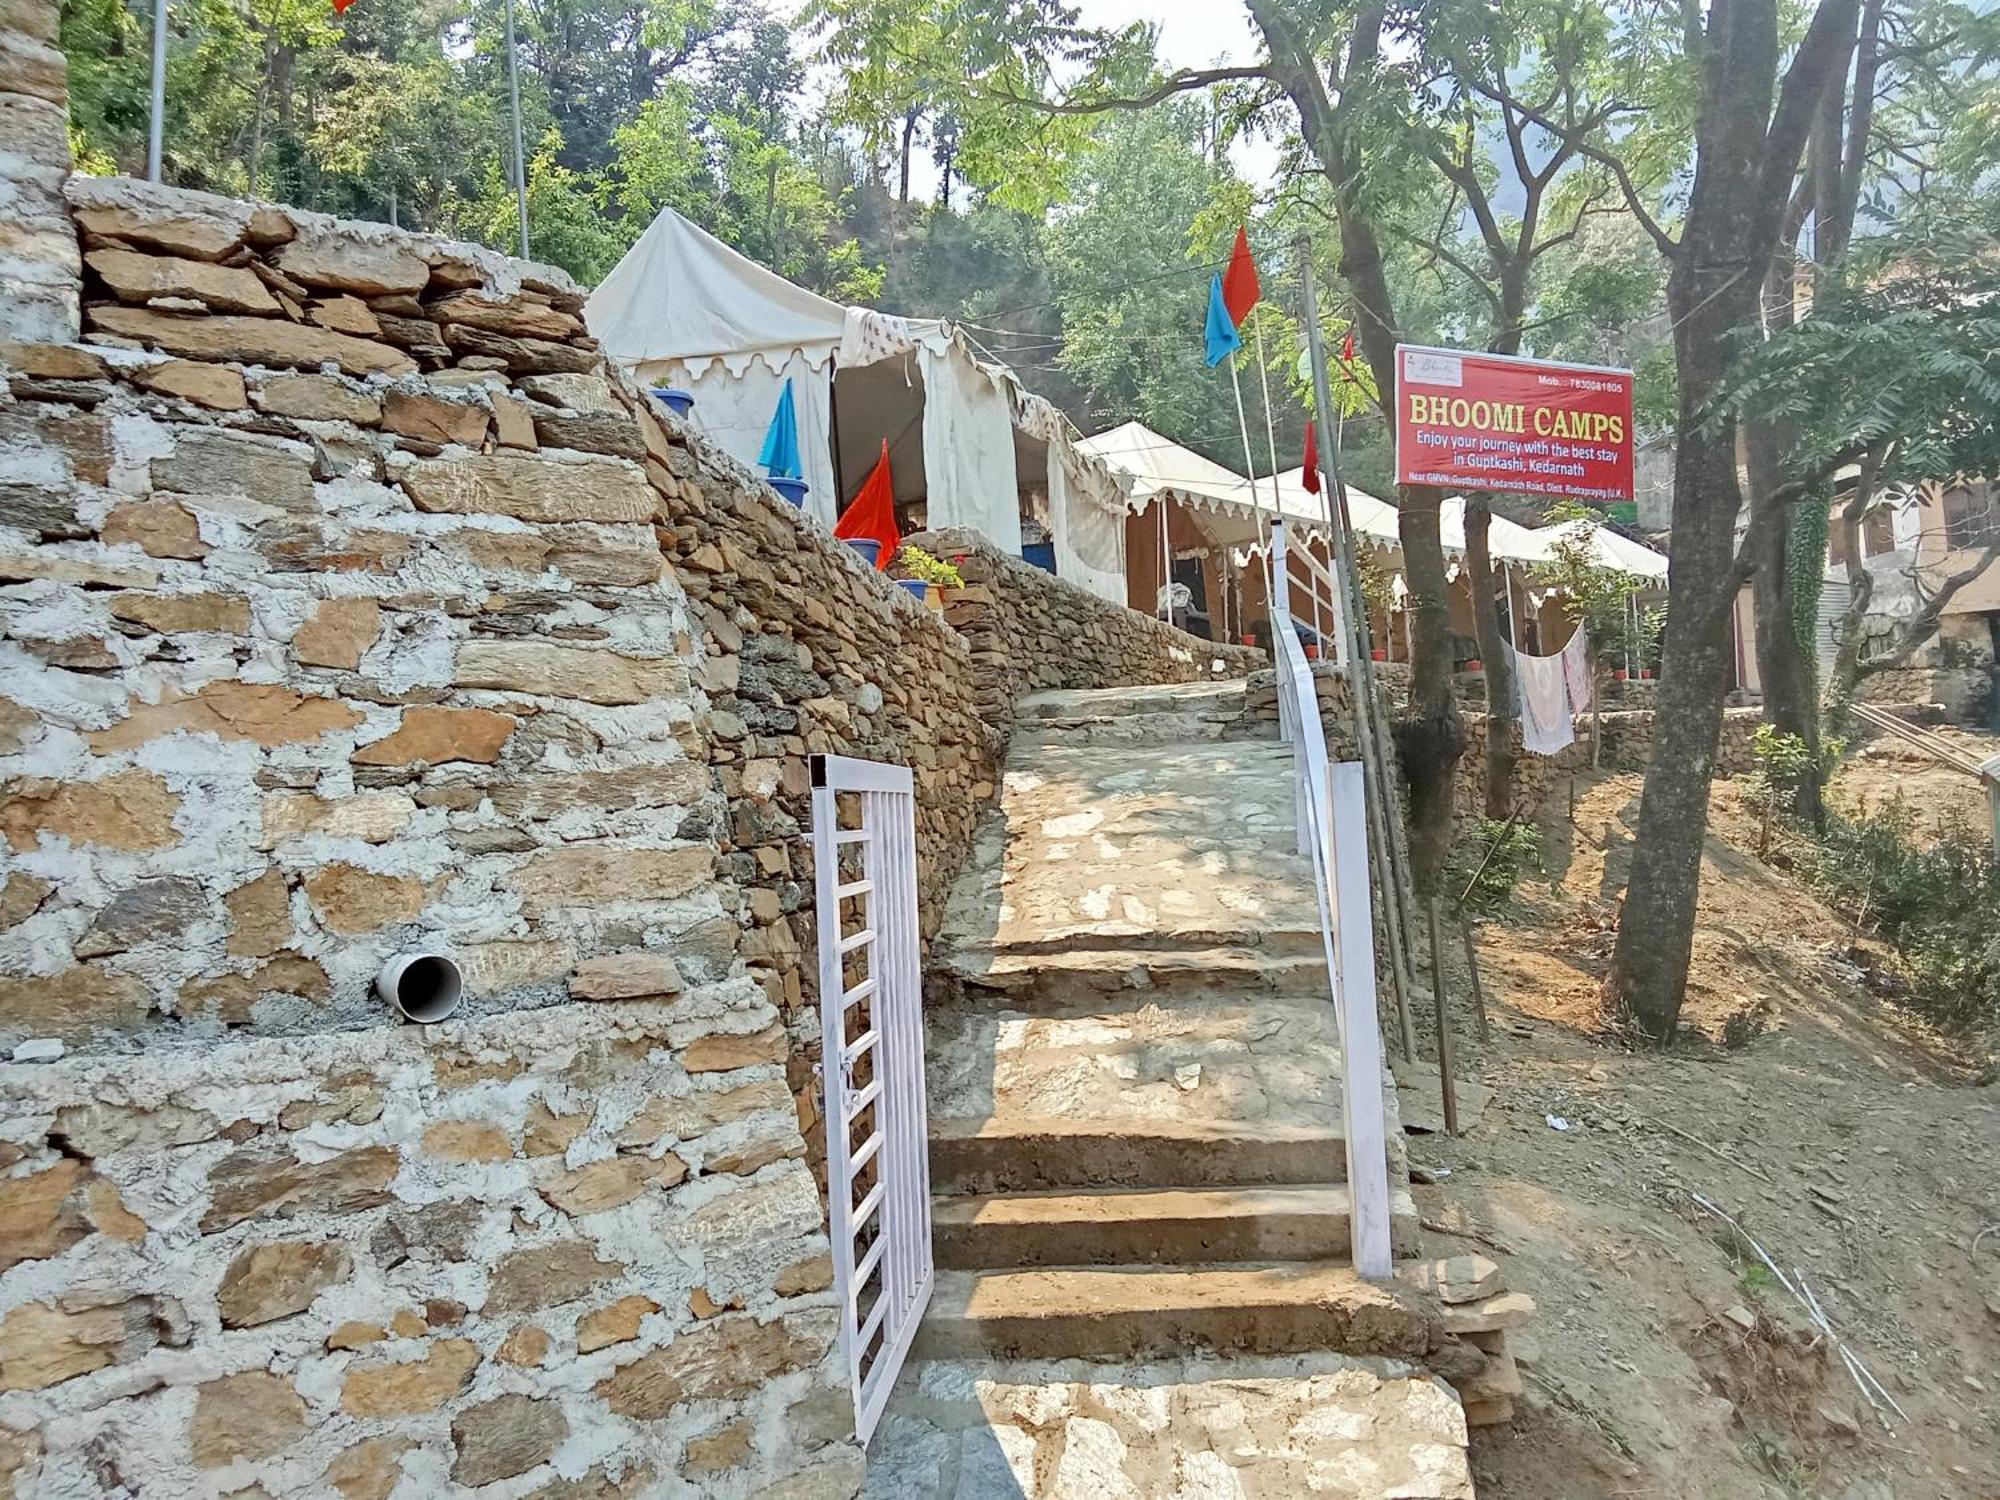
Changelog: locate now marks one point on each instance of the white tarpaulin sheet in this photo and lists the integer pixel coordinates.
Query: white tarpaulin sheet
(681, 294)
(969, 448)
(1088, 523)
(735, 411)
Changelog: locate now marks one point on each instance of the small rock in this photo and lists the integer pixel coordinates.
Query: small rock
(39, 1049)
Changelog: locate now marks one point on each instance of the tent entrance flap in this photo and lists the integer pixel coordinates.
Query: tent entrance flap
(873, 402)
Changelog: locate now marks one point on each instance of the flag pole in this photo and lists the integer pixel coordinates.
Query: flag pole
(156, 127)
(1250, 476)
(1277, 502)
(514, 102)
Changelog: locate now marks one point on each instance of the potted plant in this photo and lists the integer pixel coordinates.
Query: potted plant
(674, 399)
(920, 571)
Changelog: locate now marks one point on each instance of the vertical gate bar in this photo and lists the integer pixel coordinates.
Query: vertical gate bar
(833, 1041)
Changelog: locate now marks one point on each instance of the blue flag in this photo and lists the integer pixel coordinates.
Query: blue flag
(780, 456)
(1220, 332)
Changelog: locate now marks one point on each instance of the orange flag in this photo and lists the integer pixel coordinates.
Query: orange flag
(872, 512)
(1240, 288)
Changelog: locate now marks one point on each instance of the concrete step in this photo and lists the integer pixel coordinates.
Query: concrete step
(1059, 1153)
(1075, 976)
(1112, 1313)
(1155, 1226)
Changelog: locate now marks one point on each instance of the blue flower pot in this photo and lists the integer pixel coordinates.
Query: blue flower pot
(676, 400)
(794, 490)
(917, 587)
(869, 548)
(1041, 554)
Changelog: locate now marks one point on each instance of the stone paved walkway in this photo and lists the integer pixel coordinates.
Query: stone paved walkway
(1242, 1429)
(1134, 1074)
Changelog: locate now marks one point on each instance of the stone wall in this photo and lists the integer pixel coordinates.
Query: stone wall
(565, 1254)
(336, 624)
(1030, 631)
(1966, 694)
(39, 264)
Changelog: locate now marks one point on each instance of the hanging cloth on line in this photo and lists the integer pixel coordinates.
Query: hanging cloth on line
(1576, 670)
(1552, 690)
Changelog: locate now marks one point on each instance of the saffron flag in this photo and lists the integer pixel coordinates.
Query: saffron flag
(871, 514)
(1221, 329)
(780, 455)
(1240, 288)
(1310, 478)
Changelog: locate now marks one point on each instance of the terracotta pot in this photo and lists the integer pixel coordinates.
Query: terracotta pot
(1619, 674)
(1378, 655)
(1249, 640)
(1645, 674)
(1475, 665)
(1312, 653)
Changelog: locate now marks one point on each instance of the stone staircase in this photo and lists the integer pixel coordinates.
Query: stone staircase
(1137, 1147)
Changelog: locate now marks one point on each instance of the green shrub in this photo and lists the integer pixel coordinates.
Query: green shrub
(1939, 906)
(1505, 850)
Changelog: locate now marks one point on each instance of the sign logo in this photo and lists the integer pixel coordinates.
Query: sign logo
(1469, 421)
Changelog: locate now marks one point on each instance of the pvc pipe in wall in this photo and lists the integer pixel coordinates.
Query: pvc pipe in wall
(423, 987)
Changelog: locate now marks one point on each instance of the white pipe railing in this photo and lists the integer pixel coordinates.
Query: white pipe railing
(1333, 830)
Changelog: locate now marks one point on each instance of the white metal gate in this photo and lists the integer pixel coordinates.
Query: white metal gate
(872, 1032)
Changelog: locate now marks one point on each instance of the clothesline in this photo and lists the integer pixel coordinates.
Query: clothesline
(1552, 691)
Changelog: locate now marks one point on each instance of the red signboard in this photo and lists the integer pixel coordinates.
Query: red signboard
(1495, 422)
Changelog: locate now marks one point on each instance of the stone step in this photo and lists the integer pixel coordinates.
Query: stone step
(1155, 1226)
(1073, 976)
(1058, 1153)
(1113, 1313)
(1148, 1084)
(1221, 699)
(1074, 730)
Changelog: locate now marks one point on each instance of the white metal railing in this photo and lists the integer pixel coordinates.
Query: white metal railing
(872, 1064)
(1330, 799)
(1309, 594)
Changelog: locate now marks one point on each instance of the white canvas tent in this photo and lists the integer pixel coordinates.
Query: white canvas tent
(683, 309)
(1608, 549)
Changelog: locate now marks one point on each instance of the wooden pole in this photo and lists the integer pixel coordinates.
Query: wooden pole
(1447, 1083)
(1472, 968)
(1370, 730)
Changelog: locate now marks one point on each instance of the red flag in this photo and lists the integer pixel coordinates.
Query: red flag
(1347, 355)
(872, 512)
(1311, 475)
(340, 6)
(1240, 290)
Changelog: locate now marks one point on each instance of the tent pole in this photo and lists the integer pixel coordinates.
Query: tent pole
(1166, 594)
(514, 103)
(833, 431)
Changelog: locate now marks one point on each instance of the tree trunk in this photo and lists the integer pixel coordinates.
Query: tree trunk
(903, 174)
(1430, 735)
(1746, 155)
(1789, 675)
(1496, 651)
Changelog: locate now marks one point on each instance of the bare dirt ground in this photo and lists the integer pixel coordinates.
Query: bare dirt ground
(1666, 1361)
(1885, 768)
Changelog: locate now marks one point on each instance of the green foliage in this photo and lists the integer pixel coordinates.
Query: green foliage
(1596, 597)
(1490, 857)
(917, 563)
(1938, 904)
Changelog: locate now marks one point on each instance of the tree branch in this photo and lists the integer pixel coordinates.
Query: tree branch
(1185, 81)
(1576, 138)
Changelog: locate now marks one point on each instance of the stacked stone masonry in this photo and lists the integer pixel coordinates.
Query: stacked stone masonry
(353, 606)
(1032, 632)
